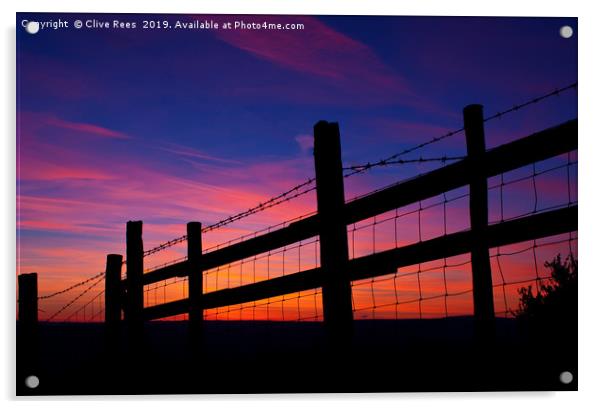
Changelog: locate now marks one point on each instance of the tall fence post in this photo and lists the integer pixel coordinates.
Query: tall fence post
(28, 300)
(481, 267)
(334, 252)
(113, 289)
(27, 345)
(113, 299)
(134, 287)
(195, 282)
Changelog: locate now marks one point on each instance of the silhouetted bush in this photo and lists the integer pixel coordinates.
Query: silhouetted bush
(552, 311)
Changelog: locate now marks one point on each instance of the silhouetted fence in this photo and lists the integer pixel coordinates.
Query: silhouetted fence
(337, 271)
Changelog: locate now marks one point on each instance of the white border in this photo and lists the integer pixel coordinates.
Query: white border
(589, 191)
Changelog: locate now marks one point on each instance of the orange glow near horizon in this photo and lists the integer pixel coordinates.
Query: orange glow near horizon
(417, 291)
(413, 292)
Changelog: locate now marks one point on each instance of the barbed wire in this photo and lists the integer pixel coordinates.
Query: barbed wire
(85, 305)
(515, 108)
(286, 196)
(366, 166)
(356, 169)
(393, 158)
(70, 303)
(281, 198)
(163, 246)
(45, 297)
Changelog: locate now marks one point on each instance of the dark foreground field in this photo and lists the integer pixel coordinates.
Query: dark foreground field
(279, 357)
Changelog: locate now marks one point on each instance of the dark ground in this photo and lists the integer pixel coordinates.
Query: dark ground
(289, 357)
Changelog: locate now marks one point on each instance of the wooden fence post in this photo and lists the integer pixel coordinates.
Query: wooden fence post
(27, 341)
(28, 300)
(113, 300)
(195, 281)
(481, 267)
(334, 252)
(113, 289)
(134, 287)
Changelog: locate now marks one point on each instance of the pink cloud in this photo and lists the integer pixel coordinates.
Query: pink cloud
(189, 152)
(88, 194)
(48, 149)
(85, 128)
(305, 142)
(33, 124)
(317, 50)
(323, 53)
(45, 171)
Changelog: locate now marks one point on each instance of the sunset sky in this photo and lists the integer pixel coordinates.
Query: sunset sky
(170, 126)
